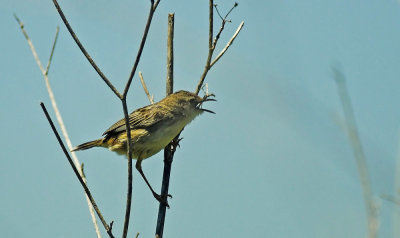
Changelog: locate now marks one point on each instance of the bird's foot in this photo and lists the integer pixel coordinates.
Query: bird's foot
(175, 143)
(163, 199)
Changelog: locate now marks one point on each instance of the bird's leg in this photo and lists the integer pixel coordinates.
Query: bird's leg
(156, 195)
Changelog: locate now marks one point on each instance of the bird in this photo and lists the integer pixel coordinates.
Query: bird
(152, 128)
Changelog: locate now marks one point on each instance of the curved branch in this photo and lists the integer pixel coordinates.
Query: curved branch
(153, 8)
(88, 57)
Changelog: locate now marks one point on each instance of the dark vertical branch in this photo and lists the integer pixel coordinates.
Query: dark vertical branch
(129, 192)
(153, 8)
(211, 24)
(87, 191)
(170, 148)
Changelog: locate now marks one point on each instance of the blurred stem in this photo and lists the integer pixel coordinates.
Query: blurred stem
(359, 155)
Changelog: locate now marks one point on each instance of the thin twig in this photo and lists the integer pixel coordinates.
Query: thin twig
(88, 57)
(390, 199)
(210, 46)
(228, 44)
(358, 153)
(153, 8)
(52, 51)
(55, 108)
(169, 150)
(151, 99)
(87, 191)
(219, 14)
(35, 55)
(229, 12)
(96, 227)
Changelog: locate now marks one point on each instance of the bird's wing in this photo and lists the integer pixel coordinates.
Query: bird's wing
(144, 117)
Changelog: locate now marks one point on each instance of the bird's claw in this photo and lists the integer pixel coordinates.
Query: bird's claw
(163, 199)
(175, 143)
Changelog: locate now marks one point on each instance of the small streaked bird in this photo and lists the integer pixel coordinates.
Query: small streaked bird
(152, 128)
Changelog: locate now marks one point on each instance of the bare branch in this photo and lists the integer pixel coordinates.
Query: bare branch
(219, 14)
(55, 108)
(210, 46)
(121, 96)
(228, 44)
(87, 191)
(129, 192)
(213, 43)
(170, 54)
(151, 99)
(229, 12)
(153, 7)
(88, 57)
(35, 55)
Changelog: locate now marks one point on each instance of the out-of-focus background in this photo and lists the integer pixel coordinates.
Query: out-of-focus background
(275, 160)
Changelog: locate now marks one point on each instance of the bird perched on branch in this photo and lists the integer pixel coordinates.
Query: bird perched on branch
(153, 127)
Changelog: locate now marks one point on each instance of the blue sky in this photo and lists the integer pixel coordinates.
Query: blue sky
(275, 161)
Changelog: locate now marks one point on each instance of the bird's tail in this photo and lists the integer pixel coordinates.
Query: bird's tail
(89, 145)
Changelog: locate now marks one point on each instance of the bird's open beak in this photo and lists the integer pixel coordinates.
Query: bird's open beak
(207, 99)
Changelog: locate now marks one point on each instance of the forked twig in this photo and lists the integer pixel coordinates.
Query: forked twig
(213, 43)
(153, 8)
(227, 45)
(122, 96)
(55, 108)
(87, 191)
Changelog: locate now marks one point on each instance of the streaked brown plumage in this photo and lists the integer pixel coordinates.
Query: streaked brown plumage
(152, 127)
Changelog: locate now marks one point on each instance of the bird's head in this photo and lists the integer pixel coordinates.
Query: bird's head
(189, 101)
